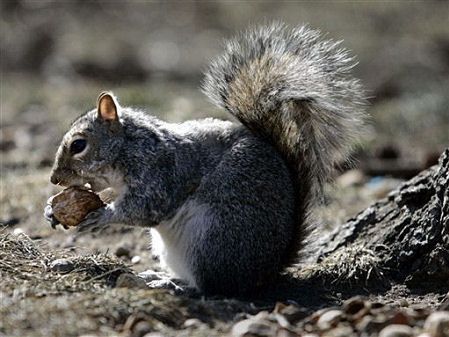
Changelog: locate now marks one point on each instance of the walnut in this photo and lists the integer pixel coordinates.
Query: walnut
(71, 205)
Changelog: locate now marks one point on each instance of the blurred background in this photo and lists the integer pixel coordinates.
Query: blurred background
(57, 56)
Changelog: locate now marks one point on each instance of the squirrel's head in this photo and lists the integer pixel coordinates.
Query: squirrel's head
(88, 150)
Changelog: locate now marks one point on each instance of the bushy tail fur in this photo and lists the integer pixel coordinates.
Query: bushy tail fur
(294, 89)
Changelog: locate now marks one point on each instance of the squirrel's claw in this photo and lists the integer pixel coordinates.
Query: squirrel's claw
(49, 216)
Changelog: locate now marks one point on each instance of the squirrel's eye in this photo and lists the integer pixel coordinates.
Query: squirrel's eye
(78, 146)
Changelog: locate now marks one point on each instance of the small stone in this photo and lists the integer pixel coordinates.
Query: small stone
(369, 324)
(192, 323)
(286, 333)
(255, 325)
(340, 331)
(437, 324)
(154, 334)
(18, 231)
(292, 313)
(396, 330)
(354, 305)
(128, 280)
(62, 266)
(329, 319)
(122, 251)
(400, 318)
(136, 259)
(403, 303)
(141, 329)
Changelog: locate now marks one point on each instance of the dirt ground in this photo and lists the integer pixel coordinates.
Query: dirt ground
(55, 61)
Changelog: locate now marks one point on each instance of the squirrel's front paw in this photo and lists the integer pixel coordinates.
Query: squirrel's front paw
(50, 217)
(94, 221)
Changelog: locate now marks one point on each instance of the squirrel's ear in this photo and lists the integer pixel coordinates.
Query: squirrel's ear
(107, 106)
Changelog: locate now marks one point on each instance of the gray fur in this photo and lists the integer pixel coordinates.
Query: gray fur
(228, 202)
(299, 83)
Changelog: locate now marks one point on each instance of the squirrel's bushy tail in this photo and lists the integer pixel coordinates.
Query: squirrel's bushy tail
(294, 89)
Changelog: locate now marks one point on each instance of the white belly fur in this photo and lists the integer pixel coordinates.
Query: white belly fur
(172, 239)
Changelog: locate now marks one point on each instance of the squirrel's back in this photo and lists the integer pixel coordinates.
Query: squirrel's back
(294, 89)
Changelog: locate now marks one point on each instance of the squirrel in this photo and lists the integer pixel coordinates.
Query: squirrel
(228, 204)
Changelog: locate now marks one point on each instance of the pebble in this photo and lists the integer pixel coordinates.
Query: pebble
(403, 303)
(128, 280)
(192, 323)
(286, 333)
(400, 318)
(437, 324)
(341, 331)
(354, 305)
(329, 319)
(136, 259)
(62, 266)
(154, 334)
(255, 325)
(18, 231)
(396, 330)
(251, 327)
(141, 329)
(292, 313)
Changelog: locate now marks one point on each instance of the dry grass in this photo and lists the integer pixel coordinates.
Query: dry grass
(353, 266)
(36, 301)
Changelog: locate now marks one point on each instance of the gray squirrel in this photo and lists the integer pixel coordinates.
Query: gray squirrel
(228, 204)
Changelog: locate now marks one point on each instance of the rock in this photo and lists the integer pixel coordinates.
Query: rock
(141, 329)
(258, 325)
(354, 305)
(403, 303)
(340, 331)
(292, 313)
(136, 259)
(437, 324)
(369, 324)
(128, 280)
(154, 334)
(400, 318)
(286, 333)
(18, 231)
(192, 323)
(250, 327)
(62, 266)
(396, 330)
(329, 319)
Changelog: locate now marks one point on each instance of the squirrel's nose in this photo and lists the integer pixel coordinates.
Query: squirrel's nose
(54, 179)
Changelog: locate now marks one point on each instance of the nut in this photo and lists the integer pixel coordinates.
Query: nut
(71, 205)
